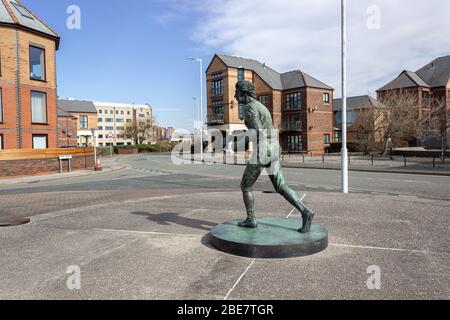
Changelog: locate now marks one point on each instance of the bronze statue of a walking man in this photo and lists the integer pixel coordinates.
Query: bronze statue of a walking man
(257, 117)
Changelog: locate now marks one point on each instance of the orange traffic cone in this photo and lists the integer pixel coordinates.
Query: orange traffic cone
(98, 165)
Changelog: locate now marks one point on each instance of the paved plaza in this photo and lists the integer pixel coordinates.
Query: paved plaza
(142, 233)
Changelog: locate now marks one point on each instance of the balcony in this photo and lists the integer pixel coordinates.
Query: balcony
(215, 119)
(216, 92)
(291, 126)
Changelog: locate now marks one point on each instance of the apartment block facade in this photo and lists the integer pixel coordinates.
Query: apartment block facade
(113, 118)
(28, 112)
(300, 105)
(430, 81)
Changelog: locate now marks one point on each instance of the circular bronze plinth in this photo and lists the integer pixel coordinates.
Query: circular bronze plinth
(274, 238)
(14, 222)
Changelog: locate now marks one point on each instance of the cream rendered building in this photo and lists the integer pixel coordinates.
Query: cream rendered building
(113, 118)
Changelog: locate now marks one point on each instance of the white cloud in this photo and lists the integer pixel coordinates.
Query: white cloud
(305, 34)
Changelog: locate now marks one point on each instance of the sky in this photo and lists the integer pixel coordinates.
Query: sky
(136, 51)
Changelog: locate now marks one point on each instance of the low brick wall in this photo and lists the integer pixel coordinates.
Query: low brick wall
(15, 163)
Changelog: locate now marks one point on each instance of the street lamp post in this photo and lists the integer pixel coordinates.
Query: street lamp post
(344, 152)
(200, 61)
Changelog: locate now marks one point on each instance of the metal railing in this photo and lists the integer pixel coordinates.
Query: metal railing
(291, 126)
(215, 119)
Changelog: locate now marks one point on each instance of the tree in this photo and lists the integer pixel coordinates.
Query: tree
(138, 133)
(411, 117)
(370, 126)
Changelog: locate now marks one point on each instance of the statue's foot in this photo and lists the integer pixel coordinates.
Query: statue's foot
(248, 223)
(308, 217)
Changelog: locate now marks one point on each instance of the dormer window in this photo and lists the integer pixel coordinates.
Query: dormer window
(24, 12)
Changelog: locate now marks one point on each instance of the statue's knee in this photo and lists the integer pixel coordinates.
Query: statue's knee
(245, 188)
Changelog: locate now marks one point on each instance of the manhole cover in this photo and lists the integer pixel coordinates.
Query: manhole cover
(14, 222)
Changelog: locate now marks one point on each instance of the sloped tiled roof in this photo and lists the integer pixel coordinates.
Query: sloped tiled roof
(285, 81)
(300, 79)
(358, 102)
(406, 79)
(63, 113)
(77, 106)
(10, 14)
(437, 72)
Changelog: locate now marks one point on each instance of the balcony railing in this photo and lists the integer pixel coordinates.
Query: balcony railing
(216, 92)
(291, 126)
(215, 119)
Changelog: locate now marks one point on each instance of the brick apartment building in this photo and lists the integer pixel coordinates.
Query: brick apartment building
(67, 129)
(355, 106)
(432, 80)
(301, 106)
(28, 113)
(86, 119)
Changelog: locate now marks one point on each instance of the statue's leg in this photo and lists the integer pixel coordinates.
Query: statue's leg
(282, 188)
(251, 174)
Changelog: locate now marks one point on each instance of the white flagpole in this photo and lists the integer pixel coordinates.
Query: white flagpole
(344, 153)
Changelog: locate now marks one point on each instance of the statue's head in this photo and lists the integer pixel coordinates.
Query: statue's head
(244, 90)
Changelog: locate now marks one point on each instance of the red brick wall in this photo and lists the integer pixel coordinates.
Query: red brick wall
(13, 168)
(67, 132)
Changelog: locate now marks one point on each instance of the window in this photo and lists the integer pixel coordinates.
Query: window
(217, 88)
(293, 101)
(120, 120)
(100, 120)
(100, 111)
(292, 122)
(294, 143)
(37, 63)
(448, 94)
(148, 113)
(264, 100)
(128, 112)
(83, 122)
(121, 112)
(142, 116)
(38, 107)
(129, 120)
(24, 12)
(109, 128)
(217, 103)
(1, 142)
(109, 120)
(142, 124)
(327, 139)
(100, 128)
(337, 136)
(120, 128)
(100, 136)
(241, 74)
(1, 105)
(217, 76)
(40, 141)
(326, 98)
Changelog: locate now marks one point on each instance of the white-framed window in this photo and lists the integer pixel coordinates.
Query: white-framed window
(40, 141)
(326, 98)
(37, 63)
(38, 107)
(83, 122)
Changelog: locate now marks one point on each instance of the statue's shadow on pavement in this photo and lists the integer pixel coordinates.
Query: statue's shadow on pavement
(167, 219)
